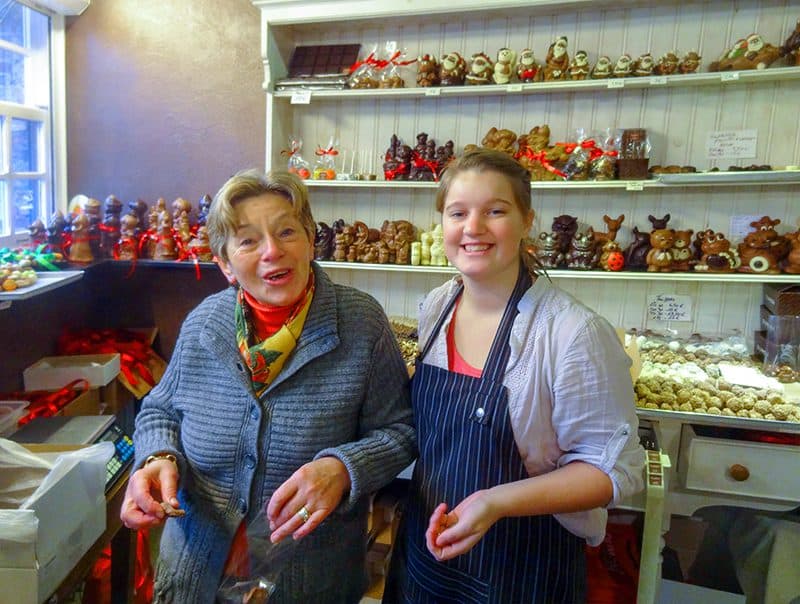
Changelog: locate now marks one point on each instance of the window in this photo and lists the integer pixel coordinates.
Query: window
(27, 175)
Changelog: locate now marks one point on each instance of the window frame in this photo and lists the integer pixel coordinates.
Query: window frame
(52, 135)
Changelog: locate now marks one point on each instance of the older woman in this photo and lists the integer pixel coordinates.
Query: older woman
(285, 395)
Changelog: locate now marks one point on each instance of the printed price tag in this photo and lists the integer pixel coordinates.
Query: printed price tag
(734, 144)
(634, 185)
(669, 307)
(616, 83)
(301, 97)
(729, 76)
(658, 80)
(514, 88)
(740, 226)
(433, 91)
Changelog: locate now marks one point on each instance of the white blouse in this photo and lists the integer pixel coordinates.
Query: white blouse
(569, 388)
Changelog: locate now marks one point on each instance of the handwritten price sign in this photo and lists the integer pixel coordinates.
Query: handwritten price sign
(732, 144)
(669, 307)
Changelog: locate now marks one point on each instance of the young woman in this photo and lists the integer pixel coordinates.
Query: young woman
(524, 408)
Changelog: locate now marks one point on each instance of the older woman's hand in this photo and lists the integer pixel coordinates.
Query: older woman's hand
(147, 488)
(301, 503)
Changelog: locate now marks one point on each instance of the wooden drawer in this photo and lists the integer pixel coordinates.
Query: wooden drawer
(737, 467)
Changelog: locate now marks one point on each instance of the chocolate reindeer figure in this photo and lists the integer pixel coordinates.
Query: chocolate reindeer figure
(613, 225)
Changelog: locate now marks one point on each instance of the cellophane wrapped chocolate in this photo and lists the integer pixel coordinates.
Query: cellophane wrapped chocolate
(258, 567)
(296, 164)
(395, 67)
(325, 166)
(364, 73)
(633, 145)
(604, 164)
(577, 166)
(780, 348)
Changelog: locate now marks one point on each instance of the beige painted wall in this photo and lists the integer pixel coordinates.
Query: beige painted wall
(164, 98)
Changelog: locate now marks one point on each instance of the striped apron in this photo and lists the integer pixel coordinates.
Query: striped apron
(466, 443)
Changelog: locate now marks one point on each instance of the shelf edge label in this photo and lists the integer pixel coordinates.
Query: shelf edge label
(301, 97)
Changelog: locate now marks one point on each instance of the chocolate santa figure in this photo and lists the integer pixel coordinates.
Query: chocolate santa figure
(557, 61)
(528, 68)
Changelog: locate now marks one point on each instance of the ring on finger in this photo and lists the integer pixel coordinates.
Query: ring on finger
(304, 514)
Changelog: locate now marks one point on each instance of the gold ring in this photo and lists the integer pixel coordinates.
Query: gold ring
(303, 513)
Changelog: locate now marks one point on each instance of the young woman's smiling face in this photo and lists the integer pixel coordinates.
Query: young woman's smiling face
(483, 226)
(270, 253)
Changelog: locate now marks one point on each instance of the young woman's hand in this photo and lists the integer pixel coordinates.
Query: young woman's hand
(301, 503)
(147, 488)
(455, 533)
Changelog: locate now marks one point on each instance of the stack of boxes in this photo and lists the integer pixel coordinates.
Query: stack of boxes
(778, 337)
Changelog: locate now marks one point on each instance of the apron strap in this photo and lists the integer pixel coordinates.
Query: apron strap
(498, 355)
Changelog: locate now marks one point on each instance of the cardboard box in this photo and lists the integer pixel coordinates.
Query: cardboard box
(52, 373)
(41, 544)
(781, 299)
(86, 403)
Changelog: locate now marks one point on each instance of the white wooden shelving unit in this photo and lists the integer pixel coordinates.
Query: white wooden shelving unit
(678, 111)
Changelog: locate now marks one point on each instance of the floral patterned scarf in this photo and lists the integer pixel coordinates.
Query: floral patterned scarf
(266, 358)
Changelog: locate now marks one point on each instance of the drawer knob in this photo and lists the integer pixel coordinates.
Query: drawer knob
(739, 472)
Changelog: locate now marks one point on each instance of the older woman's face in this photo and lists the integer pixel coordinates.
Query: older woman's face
(269, 253)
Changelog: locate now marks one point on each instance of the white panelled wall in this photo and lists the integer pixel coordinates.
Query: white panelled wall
(678, 120)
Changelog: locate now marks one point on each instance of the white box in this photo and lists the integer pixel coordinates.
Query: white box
(52, 373)
(40, 545)
(10, 414)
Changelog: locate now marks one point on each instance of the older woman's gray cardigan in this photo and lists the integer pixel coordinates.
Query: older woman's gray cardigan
(343, 393)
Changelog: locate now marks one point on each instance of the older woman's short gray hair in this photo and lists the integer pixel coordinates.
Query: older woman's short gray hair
(221, 221)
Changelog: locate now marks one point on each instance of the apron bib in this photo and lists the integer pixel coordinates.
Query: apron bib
(466, 443)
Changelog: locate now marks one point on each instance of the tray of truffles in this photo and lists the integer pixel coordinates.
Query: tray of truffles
(405, 332)
(710, 376)
(34, 283)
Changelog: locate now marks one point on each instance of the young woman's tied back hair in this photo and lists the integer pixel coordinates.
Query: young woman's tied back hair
(489, 160)
(221, 221)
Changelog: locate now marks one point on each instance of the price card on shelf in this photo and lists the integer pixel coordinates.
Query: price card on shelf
(301, 97)
(669, 307)
(514, 88)
(634, 185)
(616, 83)
(732, 144)
(729, 76)
(433, 91)
(740, 226)
(658, 80)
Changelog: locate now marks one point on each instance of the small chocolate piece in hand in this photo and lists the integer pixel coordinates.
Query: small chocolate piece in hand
(171, 511)
(257, 595)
